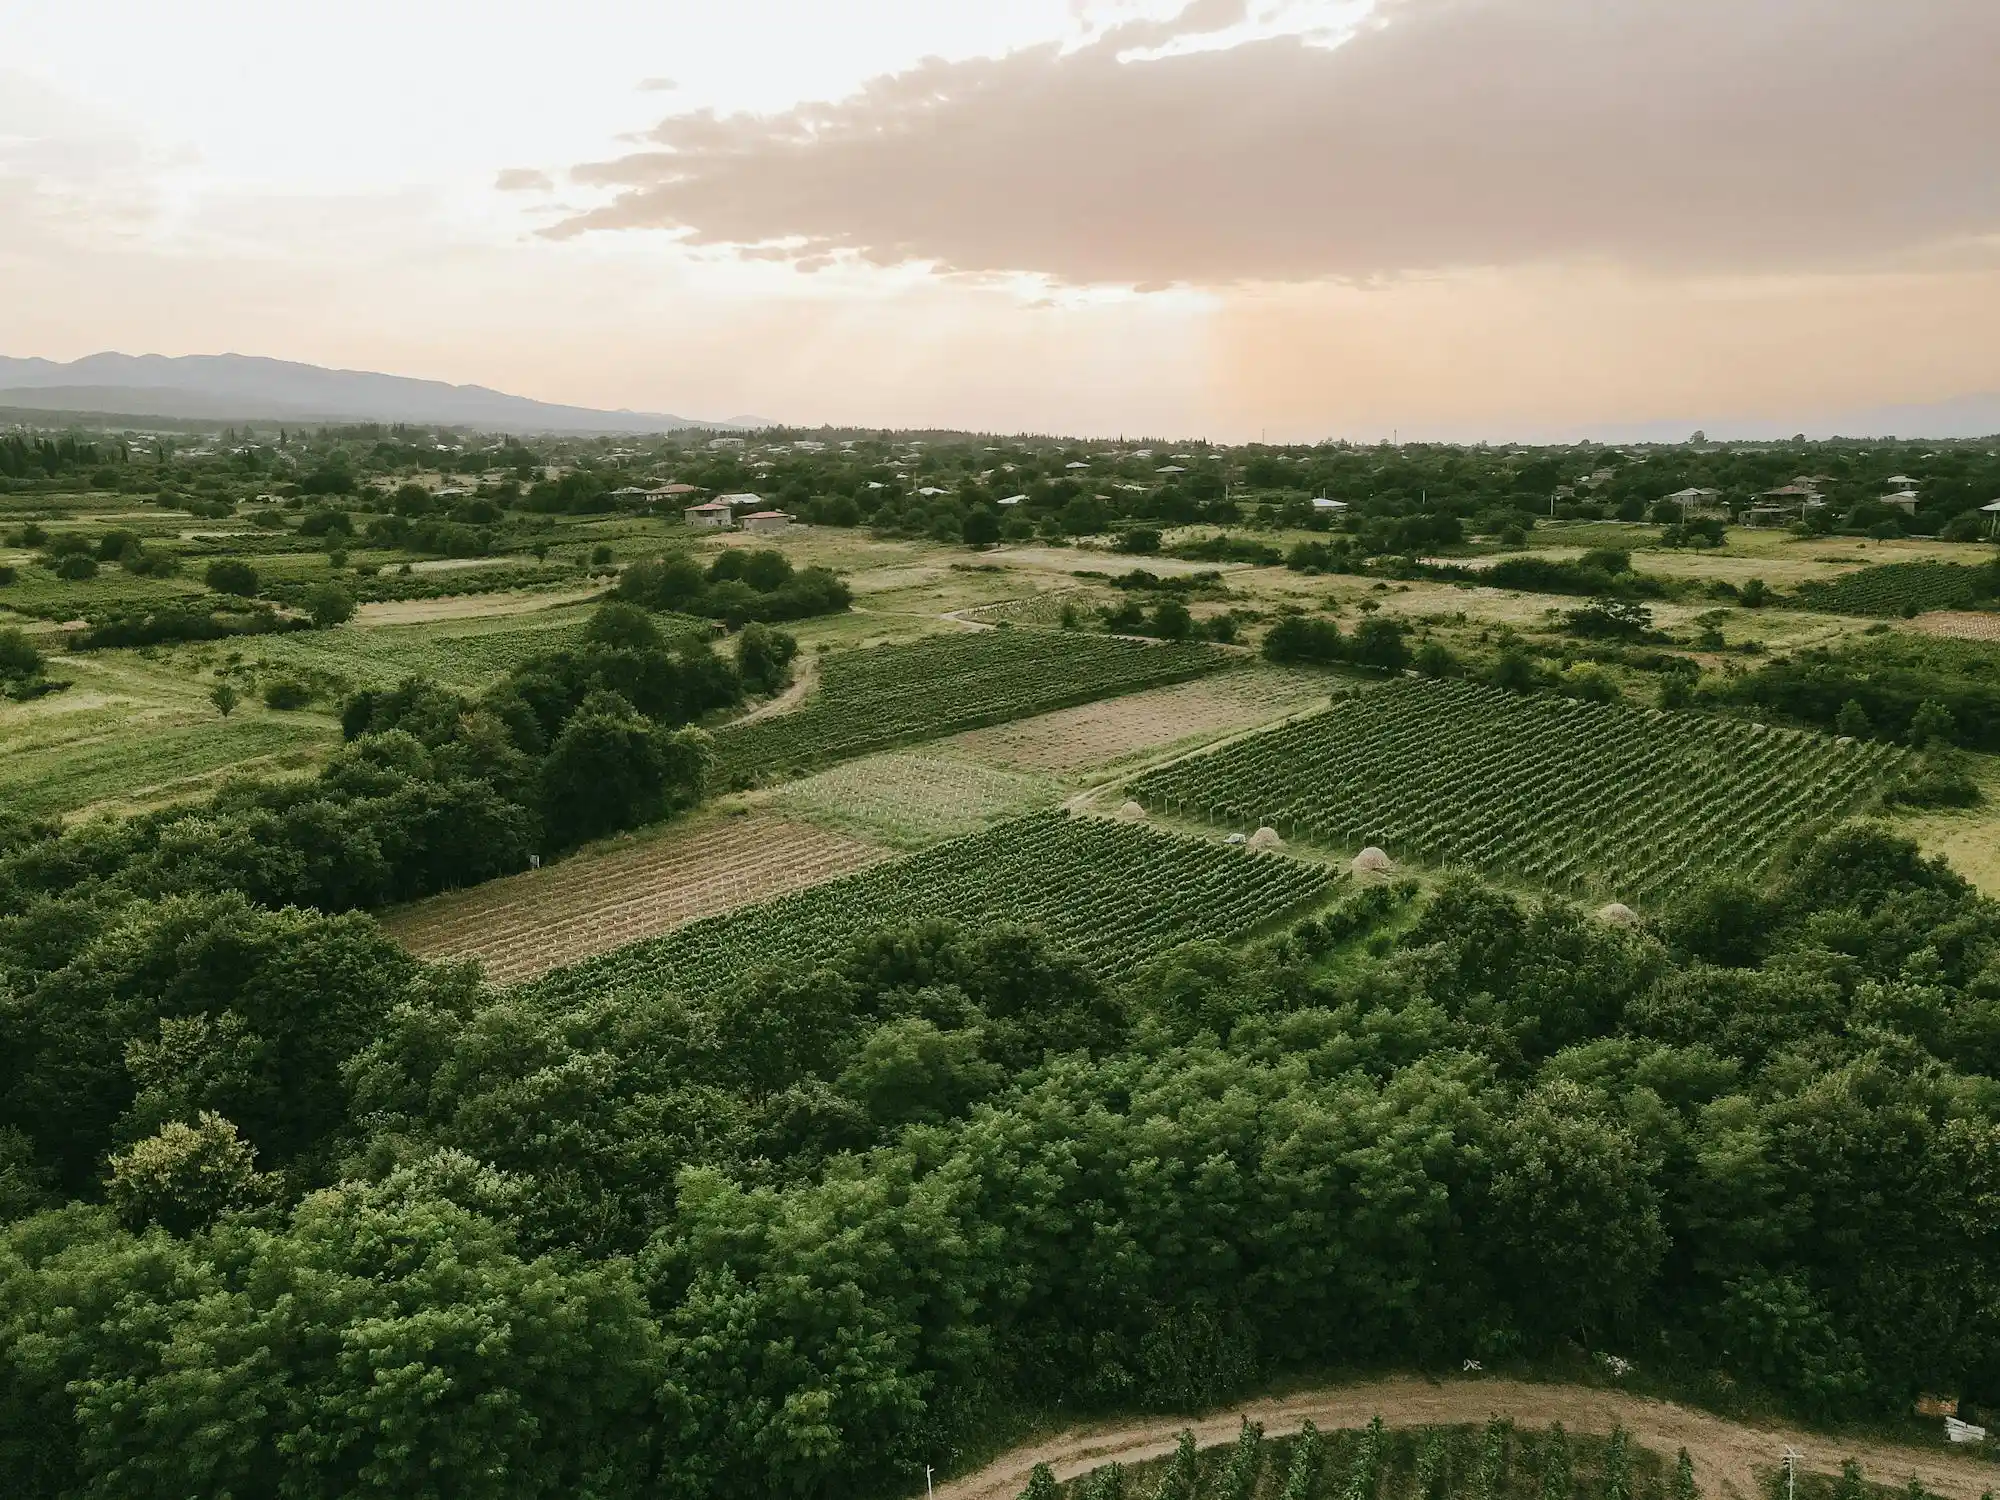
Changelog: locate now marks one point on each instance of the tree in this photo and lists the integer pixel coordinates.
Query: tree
(1041, 1484)
(1140, 540)
(764, 658)
(1301, 638)
(1852, 720)
(1514, 670)
(1932, 725)
(1083, 516)
(184, 1176)
(1434, 659)
(1379, 643)
(1171, 620)
(329, 604)
(611, 769)
(981, 527)
(225, 698)
(229, 575)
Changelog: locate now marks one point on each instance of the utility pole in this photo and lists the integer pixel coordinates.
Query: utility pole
(1792, 1457)
(928, 1491)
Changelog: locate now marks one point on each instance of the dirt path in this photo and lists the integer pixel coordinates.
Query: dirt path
(804, 679)
(1726, 1455)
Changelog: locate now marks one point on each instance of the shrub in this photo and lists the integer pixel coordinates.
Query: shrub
(229, 575)
(19, 657)
(286, 693)
(329, 604)
(74, 567)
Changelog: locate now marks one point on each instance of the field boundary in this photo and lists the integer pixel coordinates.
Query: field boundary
(1728, 1456)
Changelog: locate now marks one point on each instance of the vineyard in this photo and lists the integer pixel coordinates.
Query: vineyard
(153, 762)
(1497, 1462)
(891, 695)
(913, 800)
(528, 924)
(1097, 734)
(1585, 798)
(1113, 894)
(1903, 588)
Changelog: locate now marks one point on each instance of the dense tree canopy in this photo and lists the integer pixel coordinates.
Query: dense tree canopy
(371, 1227)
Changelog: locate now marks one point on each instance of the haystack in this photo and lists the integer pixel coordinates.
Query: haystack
(1132, 812)
(1617, 914)
(1266, 838)
(1372, 861)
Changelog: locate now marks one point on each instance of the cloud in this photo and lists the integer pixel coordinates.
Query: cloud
(657, 85)
(1691, 136)
(524, 180)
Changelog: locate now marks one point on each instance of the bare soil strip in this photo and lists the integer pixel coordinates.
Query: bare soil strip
(1727, 1455)
(527, 924)
(1959, 624)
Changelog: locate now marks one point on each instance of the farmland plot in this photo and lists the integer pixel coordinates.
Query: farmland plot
(1114, 894)
(150, 761)
(1097, 734)
(1897, 589)
(913, 800)
(1580, 797)
(527, 924)
(891, 695)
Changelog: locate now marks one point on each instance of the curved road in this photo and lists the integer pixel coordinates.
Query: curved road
(1726, 1454)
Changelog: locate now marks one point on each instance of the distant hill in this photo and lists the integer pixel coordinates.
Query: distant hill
(223, 387)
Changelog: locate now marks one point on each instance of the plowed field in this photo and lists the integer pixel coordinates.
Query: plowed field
(530, 923)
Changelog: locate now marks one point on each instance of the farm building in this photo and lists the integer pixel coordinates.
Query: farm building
(1329, 507)
(1694, 500)
(1903, 500)
(712, 513)
(767, 521)
(671, 492)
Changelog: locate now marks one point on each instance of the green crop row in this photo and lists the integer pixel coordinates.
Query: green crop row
(1589, 798)
(1114, 894)
(1903, 588)
(891, 695)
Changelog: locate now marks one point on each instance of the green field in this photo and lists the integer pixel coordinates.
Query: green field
(912, 800)
(149, 761)
(1899, 588)
(891, 695)
(1631, 804)
(467, 655)
(1114, 894)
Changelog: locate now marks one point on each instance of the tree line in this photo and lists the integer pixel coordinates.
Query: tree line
(294, 1213)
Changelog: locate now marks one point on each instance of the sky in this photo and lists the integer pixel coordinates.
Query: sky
(1291, 219)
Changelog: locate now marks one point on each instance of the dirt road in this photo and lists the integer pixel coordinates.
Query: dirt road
(1726, 1455)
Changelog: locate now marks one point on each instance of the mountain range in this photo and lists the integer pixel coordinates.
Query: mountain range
(241, 387)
